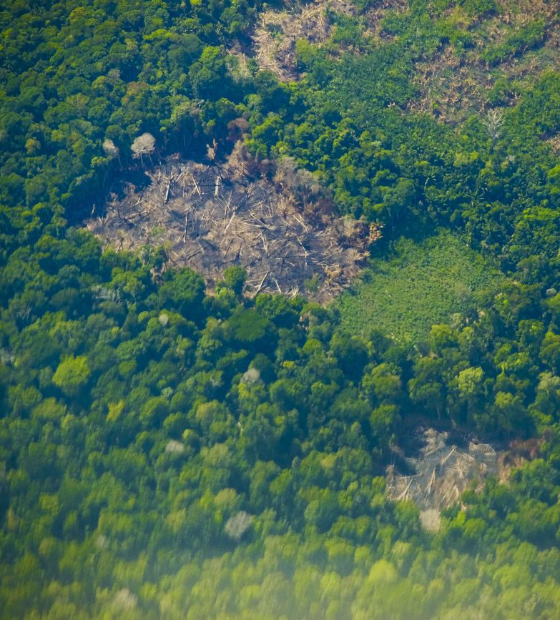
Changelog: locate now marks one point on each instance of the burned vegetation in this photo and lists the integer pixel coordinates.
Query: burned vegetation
(273, 220)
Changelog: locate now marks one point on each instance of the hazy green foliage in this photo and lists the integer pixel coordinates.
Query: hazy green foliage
(135, 429)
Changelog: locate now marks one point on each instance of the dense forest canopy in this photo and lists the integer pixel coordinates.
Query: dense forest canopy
(167, 451)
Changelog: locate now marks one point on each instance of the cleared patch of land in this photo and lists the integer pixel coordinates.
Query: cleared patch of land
(276, 35)
(442, 471)
(276, 224)
(488, 59)
(416, 286)
(484, 58)
(445, 464)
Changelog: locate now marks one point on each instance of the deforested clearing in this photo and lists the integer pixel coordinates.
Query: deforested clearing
(274, 223)
(276, 35)
(442, 471)
(443, 468)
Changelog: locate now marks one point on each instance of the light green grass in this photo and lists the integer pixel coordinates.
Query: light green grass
(417, 285)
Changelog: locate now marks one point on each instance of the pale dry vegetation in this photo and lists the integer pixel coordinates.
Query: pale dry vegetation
(272, 220)
(444, 468)
(277, 32)
(453, 85)
(374, 17)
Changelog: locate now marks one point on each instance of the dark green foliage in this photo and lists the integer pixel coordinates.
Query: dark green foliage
(235, 278)
(83, 80)
(137, 427)
(183, 291)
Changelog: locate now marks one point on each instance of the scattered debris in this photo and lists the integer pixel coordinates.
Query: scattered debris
(443, 470)
(275, 224)
(277, 33)
(453, 84)
(445, 466)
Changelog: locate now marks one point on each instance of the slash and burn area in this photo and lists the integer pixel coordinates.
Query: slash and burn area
(275, 223)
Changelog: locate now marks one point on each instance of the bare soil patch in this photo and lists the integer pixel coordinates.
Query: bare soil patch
(275, 224)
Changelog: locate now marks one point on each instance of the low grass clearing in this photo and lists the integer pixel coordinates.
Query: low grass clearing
(417, 285)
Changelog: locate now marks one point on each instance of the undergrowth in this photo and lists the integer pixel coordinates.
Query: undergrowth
(417, 284)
